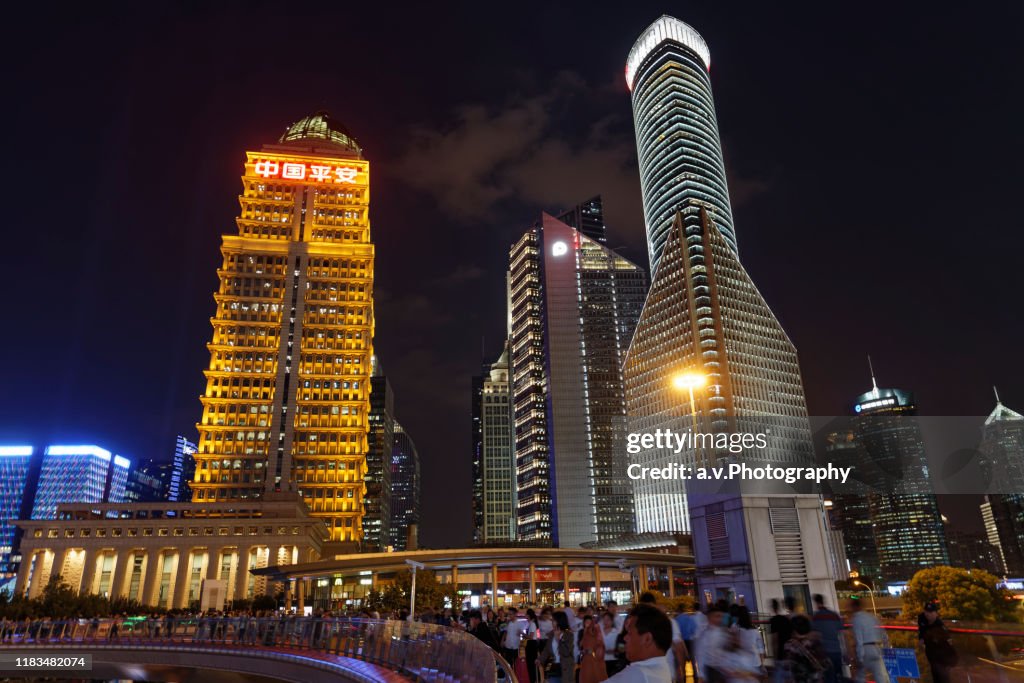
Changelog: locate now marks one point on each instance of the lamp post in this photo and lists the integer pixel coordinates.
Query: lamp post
(412, 592)
(871, 590)
(691, 381)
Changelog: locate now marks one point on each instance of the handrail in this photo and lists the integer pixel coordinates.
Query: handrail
(510, 674)
(420, 651)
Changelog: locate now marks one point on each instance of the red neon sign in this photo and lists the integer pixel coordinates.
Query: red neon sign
(296, 170)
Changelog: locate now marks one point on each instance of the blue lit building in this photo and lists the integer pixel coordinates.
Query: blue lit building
(184, 467)
(15, 464)
(34, 482)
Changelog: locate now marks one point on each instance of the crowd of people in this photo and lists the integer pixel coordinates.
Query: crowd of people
(722, 644)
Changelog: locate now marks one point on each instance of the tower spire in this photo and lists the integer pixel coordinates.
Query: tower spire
(995, 390)
(874, 383)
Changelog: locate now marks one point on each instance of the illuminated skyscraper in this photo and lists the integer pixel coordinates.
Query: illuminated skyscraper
(588, 218)
(79, 474)
(15, 463)
(1002, 446)
(287, 393)
(405, 491)
(678, 146)
(498, 459)
(574, 306)
(705, 316)
(377, 516)
(908, 529)
(179, 487)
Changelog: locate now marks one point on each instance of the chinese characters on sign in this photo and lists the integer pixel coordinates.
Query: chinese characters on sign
(293, 170)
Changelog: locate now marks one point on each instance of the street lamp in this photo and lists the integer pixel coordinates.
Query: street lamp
(690, 381)
(871, 590)
(412, 593)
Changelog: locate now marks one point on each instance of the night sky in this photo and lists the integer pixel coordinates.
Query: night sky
(874, 155)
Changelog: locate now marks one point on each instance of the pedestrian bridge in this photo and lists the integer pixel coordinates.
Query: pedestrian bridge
(223, 649)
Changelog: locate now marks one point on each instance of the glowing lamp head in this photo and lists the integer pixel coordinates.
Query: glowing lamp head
(689, 380)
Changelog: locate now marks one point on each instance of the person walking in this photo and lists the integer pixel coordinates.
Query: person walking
(711, 648)
(533, 643)
(805, 656)
(750, 650)
(613, 664)
(692, 623)
(781, 630)
(937, 643)
(828, 625)
(515, 629)
(868, 638)
(592, 667)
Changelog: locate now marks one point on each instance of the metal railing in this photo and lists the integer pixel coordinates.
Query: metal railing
(420, 651)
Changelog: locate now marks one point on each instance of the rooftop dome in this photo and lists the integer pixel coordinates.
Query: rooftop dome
(320, 127)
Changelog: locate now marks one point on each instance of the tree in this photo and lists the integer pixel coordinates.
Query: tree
(967, 595)
(429, 591)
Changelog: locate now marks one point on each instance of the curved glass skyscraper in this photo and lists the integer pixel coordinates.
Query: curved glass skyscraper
(677, 140)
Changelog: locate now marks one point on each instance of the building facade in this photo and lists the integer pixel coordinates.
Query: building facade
(574, 306)
(588, 218)
(705, 325)
(179, 489)
(498, 462)
(1002, 449)
(904, 513)
(678, 145)
(16, 494)
(287, 395)
(149, 482)
(850, 513)
(161, 554)
(381, 442)
(405, 491)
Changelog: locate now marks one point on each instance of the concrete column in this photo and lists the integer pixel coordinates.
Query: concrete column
(21, 583)
(36, 586)
(181, 579)
(494, 586)
(671, 583)
(89, 570)
(565, 580)
(122, 563)
(455, 578)
(533, 584)
(273, 552)
(57, 568)
(597, 583)
(643, 577)
(151, 577)
(212, 564)
(300, 586)
(242, 574)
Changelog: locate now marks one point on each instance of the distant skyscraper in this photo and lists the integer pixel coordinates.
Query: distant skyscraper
(498, 461)
(183, 469)
(850, 512)
(377, 515)
(972, 551)
(1002, 447)
(678, 146)
(405, 491)
(15, 501)
(79, 474)
(575, 304)
(287, 393)
(477, 447)
(149, 482)
(909, 533)
(588, 218)
(705, 316)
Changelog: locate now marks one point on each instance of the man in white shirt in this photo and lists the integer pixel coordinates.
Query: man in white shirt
(571, 614)
(620, 617)
(869, 639)
(710, 645)
(648, 639)
(515, 629)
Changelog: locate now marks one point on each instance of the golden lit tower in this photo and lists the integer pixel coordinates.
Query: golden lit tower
(287, 390)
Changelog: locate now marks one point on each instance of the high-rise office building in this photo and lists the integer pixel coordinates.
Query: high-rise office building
(15, 465)
(678, 146)
(149, 482)
(850, 512)
(1002, 447)
(908, 528)
(405, 491)
(287, 394)
(381, 442)
(588, 218)
(78, 474)
(574, 306)
(497, 457)
(705, 323)
(183, 469)
(477, 449)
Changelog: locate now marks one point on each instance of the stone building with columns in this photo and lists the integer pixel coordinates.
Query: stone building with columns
(162, 553)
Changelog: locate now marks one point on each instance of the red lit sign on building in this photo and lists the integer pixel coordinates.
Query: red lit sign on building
(294, 170)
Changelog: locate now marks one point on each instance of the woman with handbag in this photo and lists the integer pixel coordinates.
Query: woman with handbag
(557, 657)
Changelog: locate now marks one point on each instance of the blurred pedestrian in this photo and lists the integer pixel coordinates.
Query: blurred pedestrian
(937, 643)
